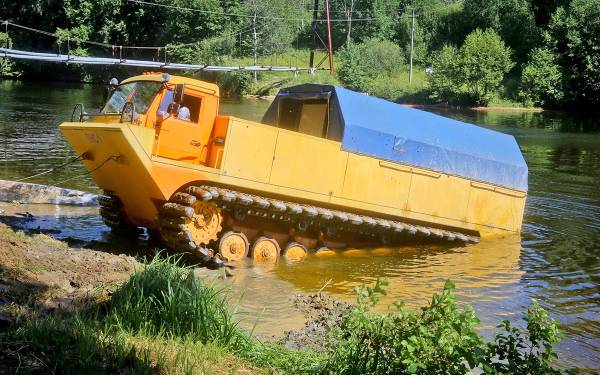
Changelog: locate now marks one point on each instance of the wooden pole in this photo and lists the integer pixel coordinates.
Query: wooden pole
(311, 63)
(254, 41)
(329, 38)
(412, 35)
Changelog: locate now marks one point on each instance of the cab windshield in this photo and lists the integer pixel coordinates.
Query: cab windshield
(140, 93)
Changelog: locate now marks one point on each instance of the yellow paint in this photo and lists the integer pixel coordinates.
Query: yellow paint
(155, 160)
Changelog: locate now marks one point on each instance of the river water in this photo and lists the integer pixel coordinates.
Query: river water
(555, 260)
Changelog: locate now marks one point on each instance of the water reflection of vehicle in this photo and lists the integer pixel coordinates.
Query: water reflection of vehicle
(487, 271)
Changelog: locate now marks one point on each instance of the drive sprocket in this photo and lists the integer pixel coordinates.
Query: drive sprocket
(206, 223)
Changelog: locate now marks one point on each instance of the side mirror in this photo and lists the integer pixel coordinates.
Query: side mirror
(178, 95)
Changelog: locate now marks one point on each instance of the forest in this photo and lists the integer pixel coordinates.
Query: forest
(543, 53)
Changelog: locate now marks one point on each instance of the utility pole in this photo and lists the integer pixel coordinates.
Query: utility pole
(349, 13)
(329, 38)
(254, 39)
(412, 37)
(314, 34)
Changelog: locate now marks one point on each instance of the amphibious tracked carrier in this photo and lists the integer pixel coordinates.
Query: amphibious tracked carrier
(326, 167)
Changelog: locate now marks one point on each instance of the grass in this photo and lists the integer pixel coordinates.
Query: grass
(162, 320)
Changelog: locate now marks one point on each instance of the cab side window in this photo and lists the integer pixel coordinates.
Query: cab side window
(189, 109)
(192, 104)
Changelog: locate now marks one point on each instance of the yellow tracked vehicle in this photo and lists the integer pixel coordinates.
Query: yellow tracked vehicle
(326, 167)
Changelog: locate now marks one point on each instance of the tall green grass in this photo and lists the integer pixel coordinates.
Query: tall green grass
(165, 298)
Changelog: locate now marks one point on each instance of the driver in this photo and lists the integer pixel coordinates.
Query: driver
(183, 113)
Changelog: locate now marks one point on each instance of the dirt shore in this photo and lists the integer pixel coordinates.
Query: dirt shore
(39, 274)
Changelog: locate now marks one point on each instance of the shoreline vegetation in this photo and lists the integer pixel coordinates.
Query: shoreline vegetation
(157, 316)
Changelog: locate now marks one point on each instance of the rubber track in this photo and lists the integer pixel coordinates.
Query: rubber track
(111, 212)
(306, 216)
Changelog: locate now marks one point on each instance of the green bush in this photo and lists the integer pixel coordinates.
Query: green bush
(363, 63)
(7, 66)
(574, 36)
(474, 73)
(441, 338)
(541, 80)
(513, 352)
(166, 298)
(443, 80)
(484, 60)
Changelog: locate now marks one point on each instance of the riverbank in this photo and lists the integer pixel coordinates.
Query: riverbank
(82, 311)
(45, 284)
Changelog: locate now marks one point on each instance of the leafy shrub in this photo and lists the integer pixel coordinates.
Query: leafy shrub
(484, 60)
(475, 72)
(541, 80)
(443, 81)
(7, 66)
(513, 352)
(441, 338)
(574, 36)
(362, 63)
(166, 298)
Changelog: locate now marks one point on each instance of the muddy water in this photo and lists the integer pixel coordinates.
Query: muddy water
(555, 260)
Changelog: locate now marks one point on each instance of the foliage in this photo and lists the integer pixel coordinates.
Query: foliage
(362, 63)
(484, 60)
(512, 352)
(513, 20)
(7, 67)
(167, 297)
(474, 72)
(441, 338)
(574, 37)
(541, 80)
(443, 80)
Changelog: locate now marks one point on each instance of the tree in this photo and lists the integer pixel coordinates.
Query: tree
(513, 20)
(363, 62)
(541, 81)
(574, 36)
(484, 60)
(474, 72)
(443, 81)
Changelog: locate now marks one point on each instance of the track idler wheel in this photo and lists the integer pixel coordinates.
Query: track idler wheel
(111, 211)
(265, 248)
(295, 251)
(233, 246)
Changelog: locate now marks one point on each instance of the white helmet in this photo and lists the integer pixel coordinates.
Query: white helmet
(183, 113)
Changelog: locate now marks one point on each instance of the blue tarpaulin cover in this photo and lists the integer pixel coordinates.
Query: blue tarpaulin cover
(394, 132)
(390, 131)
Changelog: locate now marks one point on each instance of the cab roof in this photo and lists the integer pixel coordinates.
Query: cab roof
(210, 88)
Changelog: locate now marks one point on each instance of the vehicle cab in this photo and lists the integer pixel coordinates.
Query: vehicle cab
(181, 111)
